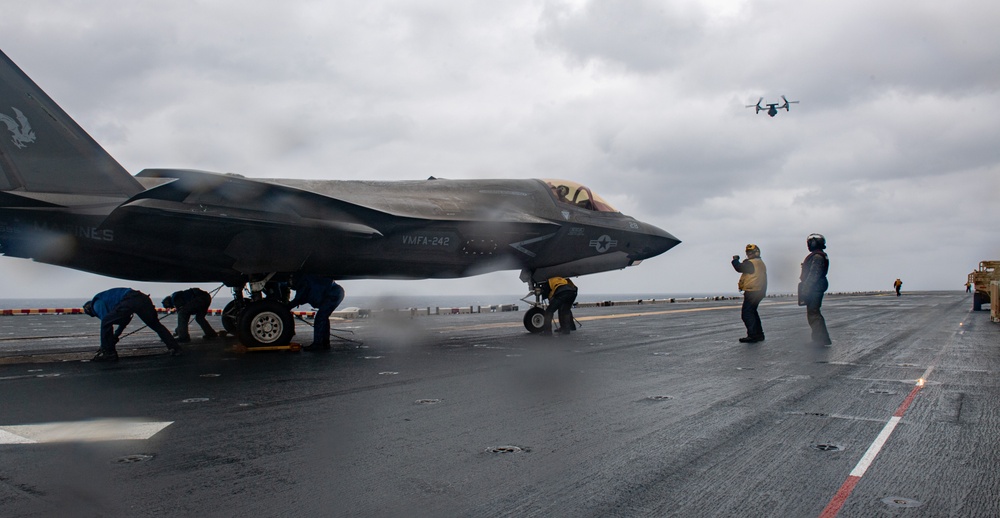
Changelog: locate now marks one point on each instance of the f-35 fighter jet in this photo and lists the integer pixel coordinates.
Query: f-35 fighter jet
(65, 201)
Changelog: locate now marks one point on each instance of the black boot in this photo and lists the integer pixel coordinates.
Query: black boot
(105, 356)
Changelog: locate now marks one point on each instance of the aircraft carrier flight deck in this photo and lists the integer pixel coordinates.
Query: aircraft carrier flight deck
(645, 410)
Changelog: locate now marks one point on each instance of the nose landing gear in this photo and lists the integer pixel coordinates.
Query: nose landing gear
(534, 318)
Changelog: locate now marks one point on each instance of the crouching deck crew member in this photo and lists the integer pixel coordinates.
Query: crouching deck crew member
(115, 307)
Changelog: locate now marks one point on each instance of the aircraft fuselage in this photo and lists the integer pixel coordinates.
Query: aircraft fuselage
(191, 226)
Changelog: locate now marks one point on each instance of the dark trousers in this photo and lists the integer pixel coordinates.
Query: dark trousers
(139, 304)
(816, 320)
(321, 327)
(184, 317)
(197, 309)
(751, 299)
(562, 301)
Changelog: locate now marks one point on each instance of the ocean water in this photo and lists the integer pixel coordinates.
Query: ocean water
(394, 302)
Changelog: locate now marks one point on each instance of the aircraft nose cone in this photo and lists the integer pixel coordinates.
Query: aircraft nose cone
(657, 242)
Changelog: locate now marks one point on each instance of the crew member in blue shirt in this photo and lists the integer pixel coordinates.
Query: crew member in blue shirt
(324, 295)
(115, 307)
(812, 285)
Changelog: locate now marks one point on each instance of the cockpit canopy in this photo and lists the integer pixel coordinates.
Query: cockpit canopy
(572, 193)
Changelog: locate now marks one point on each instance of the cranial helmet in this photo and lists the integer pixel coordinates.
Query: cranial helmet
(88, 308)
(168, 302)
(753, 249)
(816, 242)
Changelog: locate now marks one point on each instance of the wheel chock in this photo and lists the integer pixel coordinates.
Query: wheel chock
(292, 347)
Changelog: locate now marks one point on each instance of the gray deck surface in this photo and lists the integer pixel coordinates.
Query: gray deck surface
(652, 410)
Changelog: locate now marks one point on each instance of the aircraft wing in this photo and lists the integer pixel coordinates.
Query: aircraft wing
(238, 199)
(346, 204)
(233, 215)
(264, 226)
(506, 201)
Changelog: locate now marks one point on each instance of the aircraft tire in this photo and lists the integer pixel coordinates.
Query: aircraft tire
(231, 317)
(265, 323)
(534, 319)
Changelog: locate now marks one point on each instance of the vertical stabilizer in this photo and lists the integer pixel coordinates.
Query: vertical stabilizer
(43, 150)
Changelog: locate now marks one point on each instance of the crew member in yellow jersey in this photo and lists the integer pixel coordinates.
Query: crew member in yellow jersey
(561, 293)
(753, 284)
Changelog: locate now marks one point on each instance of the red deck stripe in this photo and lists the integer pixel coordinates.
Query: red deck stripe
(906, 403)
(838, 500)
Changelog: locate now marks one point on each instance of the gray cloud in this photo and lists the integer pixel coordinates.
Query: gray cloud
(643, 36)
(891, 151)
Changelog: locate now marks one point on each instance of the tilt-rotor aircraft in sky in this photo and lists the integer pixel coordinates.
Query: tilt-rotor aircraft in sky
(772, 108)
(65, 201)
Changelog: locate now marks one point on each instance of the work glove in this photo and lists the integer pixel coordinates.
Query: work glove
(736, 258)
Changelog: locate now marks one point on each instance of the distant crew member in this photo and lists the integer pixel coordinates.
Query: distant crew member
(115, 307)
(753, 284)
(561, 293)
(898, 284)
(812, 286)
(968, 287)
(324, 295)
(193, 302)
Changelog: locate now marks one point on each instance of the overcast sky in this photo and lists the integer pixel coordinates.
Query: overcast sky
(893, 152)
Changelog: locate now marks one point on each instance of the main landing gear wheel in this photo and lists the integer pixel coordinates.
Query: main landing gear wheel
(231, 317)
(265, 323)
(534, 319)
